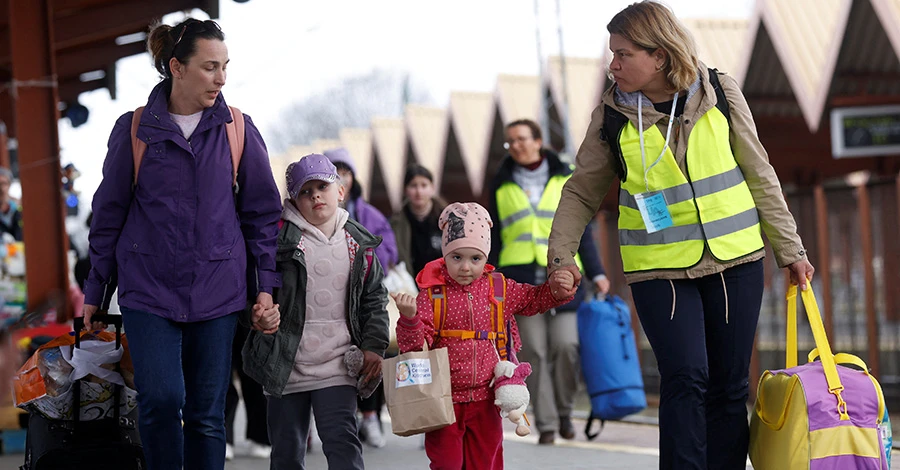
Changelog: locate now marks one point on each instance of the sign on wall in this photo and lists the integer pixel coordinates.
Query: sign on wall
(865, 131)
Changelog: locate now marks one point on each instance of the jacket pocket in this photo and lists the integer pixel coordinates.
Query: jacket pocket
(258, 350)
(223, 251)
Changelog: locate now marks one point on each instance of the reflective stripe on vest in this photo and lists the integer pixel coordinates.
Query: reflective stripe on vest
(713, 208)
(524, 230)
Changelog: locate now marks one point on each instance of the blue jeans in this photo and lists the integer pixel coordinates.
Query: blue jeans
(181, 371)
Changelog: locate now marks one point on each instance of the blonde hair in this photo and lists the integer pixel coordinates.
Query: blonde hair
(652, 25)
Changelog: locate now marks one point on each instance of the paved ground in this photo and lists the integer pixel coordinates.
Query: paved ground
(622, 446)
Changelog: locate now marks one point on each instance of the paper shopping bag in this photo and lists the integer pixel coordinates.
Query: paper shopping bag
(417, 391)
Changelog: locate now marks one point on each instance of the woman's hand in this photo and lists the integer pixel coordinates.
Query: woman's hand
(265, 319)
(602, 285)
(88, 312)
(406, 303)
(801, 273)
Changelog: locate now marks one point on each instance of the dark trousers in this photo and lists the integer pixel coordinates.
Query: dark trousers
(251, 391)
(702, 331)
(181, 372)
(335, 411)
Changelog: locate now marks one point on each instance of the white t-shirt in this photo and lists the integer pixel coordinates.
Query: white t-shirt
(187, 123)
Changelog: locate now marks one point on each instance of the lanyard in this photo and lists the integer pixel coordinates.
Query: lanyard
(641, 133)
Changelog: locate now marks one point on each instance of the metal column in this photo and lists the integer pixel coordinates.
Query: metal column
(35, 97)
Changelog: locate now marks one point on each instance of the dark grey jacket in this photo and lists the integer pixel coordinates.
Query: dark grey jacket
(269, 359)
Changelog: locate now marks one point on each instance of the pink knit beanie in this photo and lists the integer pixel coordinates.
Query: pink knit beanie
(465, 225)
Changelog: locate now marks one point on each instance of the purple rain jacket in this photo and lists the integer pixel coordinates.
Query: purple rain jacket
(177, 243)
(377, 224)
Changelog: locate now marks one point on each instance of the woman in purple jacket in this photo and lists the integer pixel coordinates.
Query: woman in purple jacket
(177, 245)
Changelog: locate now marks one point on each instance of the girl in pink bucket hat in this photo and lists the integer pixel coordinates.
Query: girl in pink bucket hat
(475, 321)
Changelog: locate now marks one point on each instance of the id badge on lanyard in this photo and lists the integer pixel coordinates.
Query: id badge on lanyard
(654, 211)
(652, 204)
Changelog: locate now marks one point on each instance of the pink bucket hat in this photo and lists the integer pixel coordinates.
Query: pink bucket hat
(465, 225)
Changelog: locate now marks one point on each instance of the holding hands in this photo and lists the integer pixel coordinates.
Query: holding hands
(265, 315)
(562, 283)
(406, 303)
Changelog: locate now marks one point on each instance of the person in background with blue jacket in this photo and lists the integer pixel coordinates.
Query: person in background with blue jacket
(177, 246)
(524, 195)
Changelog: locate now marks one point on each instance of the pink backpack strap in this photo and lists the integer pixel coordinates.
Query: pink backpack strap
(138, 146)
(235, 132)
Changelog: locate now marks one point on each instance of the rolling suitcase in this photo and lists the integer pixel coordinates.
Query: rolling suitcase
(101, 444)
(609, 361)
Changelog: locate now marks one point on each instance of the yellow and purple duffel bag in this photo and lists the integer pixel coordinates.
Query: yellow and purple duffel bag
(822, 415)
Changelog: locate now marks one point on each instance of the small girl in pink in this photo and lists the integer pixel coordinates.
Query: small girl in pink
(475, 441)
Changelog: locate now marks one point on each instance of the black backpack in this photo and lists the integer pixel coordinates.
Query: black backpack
(614, 121)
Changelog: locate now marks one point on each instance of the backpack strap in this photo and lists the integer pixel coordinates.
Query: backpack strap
(498, 289)
(613, 123)
(438, 296)
(234, 131)
(721, 100)
(138, 146)
(498, 326)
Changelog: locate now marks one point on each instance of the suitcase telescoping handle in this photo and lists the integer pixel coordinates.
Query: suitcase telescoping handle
(77, 326)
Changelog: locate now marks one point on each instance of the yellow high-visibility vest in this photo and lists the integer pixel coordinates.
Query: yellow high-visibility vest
(711, 207)
(525, 230)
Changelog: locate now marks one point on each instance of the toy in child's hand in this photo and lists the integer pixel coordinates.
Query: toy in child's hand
(354, 360)
(510, 393)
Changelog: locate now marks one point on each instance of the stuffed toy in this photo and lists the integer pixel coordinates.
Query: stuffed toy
(510, 393)
(354, 360)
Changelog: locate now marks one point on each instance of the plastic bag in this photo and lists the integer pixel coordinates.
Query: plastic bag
(398, 279)
(44, 383)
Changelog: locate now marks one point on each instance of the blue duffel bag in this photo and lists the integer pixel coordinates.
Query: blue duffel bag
(609, 361)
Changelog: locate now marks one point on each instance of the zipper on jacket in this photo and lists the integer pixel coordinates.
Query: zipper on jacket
(474, 349)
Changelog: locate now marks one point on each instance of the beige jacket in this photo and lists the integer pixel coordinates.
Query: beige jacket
(595, 172)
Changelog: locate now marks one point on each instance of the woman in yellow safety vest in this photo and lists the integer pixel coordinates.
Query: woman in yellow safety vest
(695, 189)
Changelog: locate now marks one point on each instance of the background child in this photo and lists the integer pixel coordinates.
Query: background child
(475, 440)
(331, 298)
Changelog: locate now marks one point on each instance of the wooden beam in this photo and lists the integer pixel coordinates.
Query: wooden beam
(46, 269)
(74, 62)
(109, 21)
(4, 150)
(70, 89)
(863, 100)
(7, 113)
(891, 250)
(865, 230)
(67, 7)
(824, 257)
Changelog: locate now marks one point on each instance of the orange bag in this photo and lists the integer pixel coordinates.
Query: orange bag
(31, 383)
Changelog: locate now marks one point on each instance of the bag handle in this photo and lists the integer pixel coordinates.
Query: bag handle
(841, 358)
(823, 348)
